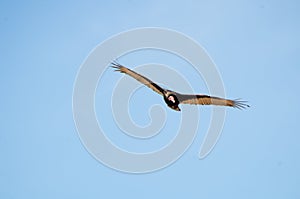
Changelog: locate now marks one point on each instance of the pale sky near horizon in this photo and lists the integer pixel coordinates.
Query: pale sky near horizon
(254, 44)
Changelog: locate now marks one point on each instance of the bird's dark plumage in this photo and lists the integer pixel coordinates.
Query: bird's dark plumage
(173, 99)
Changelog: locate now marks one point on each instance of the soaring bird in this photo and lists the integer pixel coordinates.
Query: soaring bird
(173, 99)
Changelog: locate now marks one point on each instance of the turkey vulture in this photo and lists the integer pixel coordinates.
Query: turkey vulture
(173, 99)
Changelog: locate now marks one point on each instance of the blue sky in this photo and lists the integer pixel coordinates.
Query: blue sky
(255, 45)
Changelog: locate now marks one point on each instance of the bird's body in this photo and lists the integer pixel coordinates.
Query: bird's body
(173, 99)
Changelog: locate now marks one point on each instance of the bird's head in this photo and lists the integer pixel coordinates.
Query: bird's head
(171, 99)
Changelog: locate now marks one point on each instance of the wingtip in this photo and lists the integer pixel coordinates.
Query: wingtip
(240, 104)
(116, 66)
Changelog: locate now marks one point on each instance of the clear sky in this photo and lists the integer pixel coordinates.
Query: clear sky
(255, 45)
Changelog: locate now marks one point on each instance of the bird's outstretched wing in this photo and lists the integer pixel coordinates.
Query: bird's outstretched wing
(138, 77)
(207, 100)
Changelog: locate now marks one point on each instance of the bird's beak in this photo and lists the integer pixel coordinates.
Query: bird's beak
(177, 109)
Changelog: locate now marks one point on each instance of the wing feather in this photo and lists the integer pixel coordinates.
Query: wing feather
(209, 100)
(138, 77)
